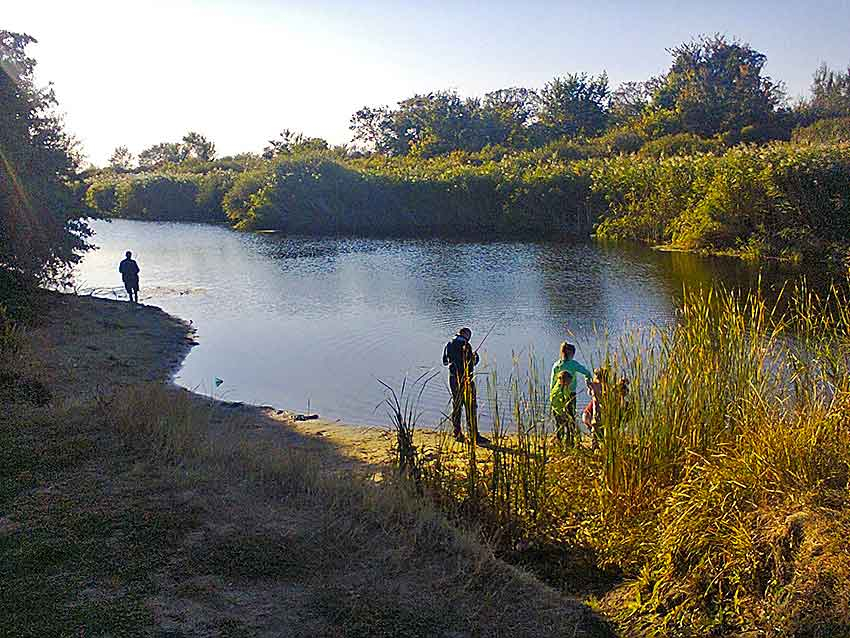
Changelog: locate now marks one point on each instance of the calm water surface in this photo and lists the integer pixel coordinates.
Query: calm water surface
(298, 322)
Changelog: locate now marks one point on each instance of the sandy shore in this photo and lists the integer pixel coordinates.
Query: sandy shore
(93, 345)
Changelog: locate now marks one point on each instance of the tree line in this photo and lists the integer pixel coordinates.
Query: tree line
(709, 155)
(515, 162)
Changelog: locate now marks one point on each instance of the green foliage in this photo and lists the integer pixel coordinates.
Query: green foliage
(620, 140)
(100, 196)
(451, 195)
(716, 86)
(830, 94)
(835, 130)
(159, 155)
(292, 143)
(680, 144)
(211, 189)
(574, 105)
(121, 160)
(787, 200)
(199, 146)
(41, 231)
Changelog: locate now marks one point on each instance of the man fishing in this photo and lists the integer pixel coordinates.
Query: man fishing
(462, 359)
(129, 270)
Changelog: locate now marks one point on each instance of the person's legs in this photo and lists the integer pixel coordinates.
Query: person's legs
(128, 286)
(471, 407)
(560, 422)
(457, 403)
(570, 430)
(597, 435)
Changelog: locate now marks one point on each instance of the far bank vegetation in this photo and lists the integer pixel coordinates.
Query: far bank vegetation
(707, 156)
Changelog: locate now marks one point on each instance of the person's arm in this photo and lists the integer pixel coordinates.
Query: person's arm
(587, 374)
(587, 415)
(446, 359)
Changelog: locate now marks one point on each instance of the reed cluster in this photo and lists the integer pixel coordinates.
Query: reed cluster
(719, 489)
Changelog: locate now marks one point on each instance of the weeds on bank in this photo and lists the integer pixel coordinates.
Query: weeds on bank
(720, 485)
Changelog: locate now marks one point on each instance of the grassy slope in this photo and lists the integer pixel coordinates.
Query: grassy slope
(129, 507)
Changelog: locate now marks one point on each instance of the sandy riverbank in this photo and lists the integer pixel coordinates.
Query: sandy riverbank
(132, 507)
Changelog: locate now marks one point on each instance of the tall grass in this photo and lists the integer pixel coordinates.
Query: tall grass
(719, 473)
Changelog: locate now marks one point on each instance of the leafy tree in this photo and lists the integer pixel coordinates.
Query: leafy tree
(440, 122)
(507, 117)
(163, 153)
(716, 86)
(374, 129)
(830, 93)
(122, 159)
(574, 105)
(199, 146)
(290, 142)
(630, 100)
(41, 230)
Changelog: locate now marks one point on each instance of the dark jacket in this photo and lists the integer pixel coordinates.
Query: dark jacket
(129, 269)
(459, 356)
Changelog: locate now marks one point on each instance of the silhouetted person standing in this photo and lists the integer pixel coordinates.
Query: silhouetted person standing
(129, 270)
(462, 359)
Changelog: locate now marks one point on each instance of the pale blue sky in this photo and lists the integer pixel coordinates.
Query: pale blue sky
(137, 73)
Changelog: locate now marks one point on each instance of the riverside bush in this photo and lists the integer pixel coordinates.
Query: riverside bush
(161, 197)
(834, 130)
(452, 195)
(785, 200)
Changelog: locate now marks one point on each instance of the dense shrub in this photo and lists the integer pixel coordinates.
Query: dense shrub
(450, 196)
(829, 131)
(780, 199)
(100, 196)
(680, 144)
(691, 192)
(165, 197)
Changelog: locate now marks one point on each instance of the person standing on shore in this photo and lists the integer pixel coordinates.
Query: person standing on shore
(569, 364)
(461, 359)
(129, 270)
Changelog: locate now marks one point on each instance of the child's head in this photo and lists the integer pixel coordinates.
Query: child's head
(623, 386)
(565, 378)
(568, 350)
(600, 375)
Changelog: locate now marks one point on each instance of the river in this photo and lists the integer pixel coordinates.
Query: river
(311, 324)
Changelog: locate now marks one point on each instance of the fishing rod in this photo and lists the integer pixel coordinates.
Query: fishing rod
(498, 319)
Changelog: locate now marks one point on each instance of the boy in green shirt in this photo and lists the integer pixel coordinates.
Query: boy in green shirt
(560, 398)
(568, 364)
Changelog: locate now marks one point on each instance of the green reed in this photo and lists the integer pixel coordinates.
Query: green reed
(738, 416)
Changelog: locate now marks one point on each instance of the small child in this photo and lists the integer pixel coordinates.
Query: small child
(560, 398)
(591, 416)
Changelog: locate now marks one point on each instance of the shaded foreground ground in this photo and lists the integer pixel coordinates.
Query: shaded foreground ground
(131, 507)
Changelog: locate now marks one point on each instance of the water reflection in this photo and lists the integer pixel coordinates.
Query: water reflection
(287, 321)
